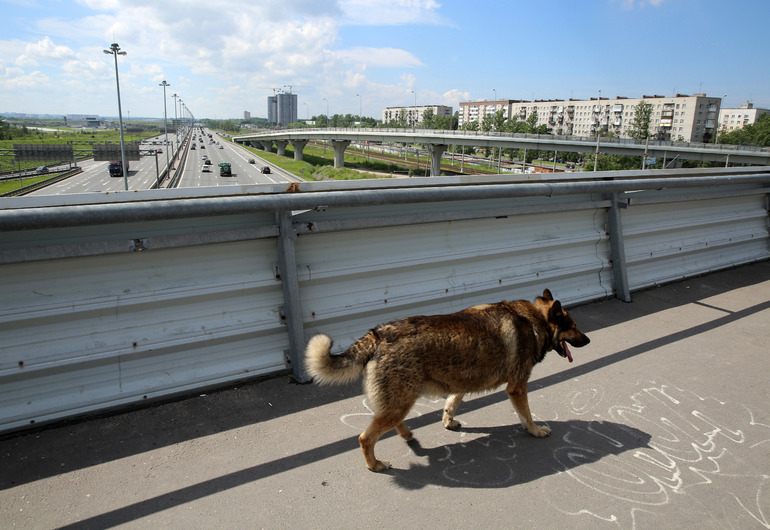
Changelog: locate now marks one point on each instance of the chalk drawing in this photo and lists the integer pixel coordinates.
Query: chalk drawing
(701, 450)
(660, 449)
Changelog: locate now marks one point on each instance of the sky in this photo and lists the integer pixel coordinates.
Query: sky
(224, 57)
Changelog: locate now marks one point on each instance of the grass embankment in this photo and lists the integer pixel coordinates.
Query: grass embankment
(81, 140)
(318, 164)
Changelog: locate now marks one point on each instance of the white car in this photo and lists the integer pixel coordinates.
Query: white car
(206, 169)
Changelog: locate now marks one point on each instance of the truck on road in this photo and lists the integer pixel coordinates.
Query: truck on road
(116, 168)
(224, 169)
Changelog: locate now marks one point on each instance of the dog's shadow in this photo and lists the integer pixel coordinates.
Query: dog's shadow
(507, 455)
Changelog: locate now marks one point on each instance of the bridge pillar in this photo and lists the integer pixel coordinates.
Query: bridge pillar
(267, 145)
(281, 147)
(298, 146)
(339, 152)
(435, 150)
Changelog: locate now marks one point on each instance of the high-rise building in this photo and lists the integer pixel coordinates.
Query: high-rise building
(681, 117)
(246, 114)
(282, 108)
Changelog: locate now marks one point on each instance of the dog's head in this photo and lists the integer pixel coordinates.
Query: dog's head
(563, 328)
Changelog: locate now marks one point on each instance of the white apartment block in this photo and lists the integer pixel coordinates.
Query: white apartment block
(414, 114)
(732, 119)
(681, 117)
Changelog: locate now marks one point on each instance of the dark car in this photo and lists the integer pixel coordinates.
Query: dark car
(265, 169)
(252, 161)
(42, 169)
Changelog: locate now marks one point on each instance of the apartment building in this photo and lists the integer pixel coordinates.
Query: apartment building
(413, 114)
(681, 117)
(731, 119)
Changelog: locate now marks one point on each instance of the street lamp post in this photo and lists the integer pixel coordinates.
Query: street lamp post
(165, 124)
(327, 112)
(115, 51)
(414, 123)
(360, 109)
(176, 125)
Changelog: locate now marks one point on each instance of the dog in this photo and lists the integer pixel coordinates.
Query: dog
(474, 350)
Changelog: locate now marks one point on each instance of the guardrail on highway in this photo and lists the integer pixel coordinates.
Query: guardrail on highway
(43, 183)
(109, 301)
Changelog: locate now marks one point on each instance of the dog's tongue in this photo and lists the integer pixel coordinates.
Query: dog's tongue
(566, 350)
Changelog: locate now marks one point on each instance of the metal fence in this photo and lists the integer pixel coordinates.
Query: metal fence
(113, 301)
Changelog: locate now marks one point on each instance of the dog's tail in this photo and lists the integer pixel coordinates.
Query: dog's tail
(338, 369)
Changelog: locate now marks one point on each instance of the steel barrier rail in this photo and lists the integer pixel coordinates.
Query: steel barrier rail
(118, 300)
(163, 209)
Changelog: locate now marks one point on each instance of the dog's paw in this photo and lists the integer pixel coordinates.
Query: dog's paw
(540, 431)
(380, 465)
(452, 425)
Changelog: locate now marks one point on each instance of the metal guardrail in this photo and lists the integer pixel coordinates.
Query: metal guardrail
(110, 303)
(43, 183)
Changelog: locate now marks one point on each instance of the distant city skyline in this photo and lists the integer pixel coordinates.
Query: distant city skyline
(364, 54)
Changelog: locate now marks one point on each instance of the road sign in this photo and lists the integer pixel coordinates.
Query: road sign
(107, 152)
(40, 152)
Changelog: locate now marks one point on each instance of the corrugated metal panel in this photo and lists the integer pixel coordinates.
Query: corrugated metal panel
(88, 333)
(672, 235)
(86, 323)
(351, 281)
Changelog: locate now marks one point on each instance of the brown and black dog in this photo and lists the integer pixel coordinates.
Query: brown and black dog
(473, 350)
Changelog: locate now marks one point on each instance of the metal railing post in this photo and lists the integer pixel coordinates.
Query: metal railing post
(292, 309)
(618, 247)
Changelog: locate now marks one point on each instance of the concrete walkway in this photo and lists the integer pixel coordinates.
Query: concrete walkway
(661, 422)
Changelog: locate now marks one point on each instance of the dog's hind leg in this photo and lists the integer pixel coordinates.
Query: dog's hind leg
(381, 424)
(518, 395)
(450, 408)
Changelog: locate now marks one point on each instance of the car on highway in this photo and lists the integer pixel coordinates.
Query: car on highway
(221, 147)
(252, 161)
(265, 169)
(206, 169)
(207, 162)
(42, 169)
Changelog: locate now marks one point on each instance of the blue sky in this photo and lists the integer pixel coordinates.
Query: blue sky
(226, 56)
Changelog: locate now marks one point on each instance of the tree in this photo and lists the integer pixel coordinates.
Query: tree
(757, 133)
(640, 123)
(428, 119)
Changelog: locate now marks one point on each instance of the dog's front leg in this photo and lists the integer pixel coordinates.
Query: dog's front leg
(450, 409)
(518, 395)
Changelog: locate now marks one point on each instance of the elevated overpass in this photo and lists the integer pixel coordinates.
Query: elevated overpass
(437, 141)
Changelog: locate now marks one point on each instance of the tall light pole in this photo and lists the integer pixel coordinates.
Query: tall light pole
(176, 125)
(115, 51)
(360, 109)
(414, 123)
(716, 124)
(165, 124)
(327, 112)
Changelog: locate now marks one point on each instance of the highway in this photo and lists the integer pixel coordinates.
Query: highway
(243, 172)
(142, 174)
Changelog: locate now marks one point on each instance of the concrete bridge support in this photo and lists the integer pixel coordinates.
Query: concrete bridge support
(298, 146)
(435, 150)
(267, 145)
(339, 152)
(281, 147)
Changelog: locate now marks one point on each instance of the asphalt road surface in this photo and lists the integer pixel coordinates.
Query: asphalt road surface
(143, 173)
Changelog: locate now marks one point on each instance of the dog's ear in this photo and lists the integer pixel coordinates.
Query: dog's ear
(555, 313)
(547, 295)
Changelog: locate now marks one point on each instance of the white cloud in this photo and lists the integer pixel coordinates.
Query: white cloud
(379, 57)
(391, 12)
